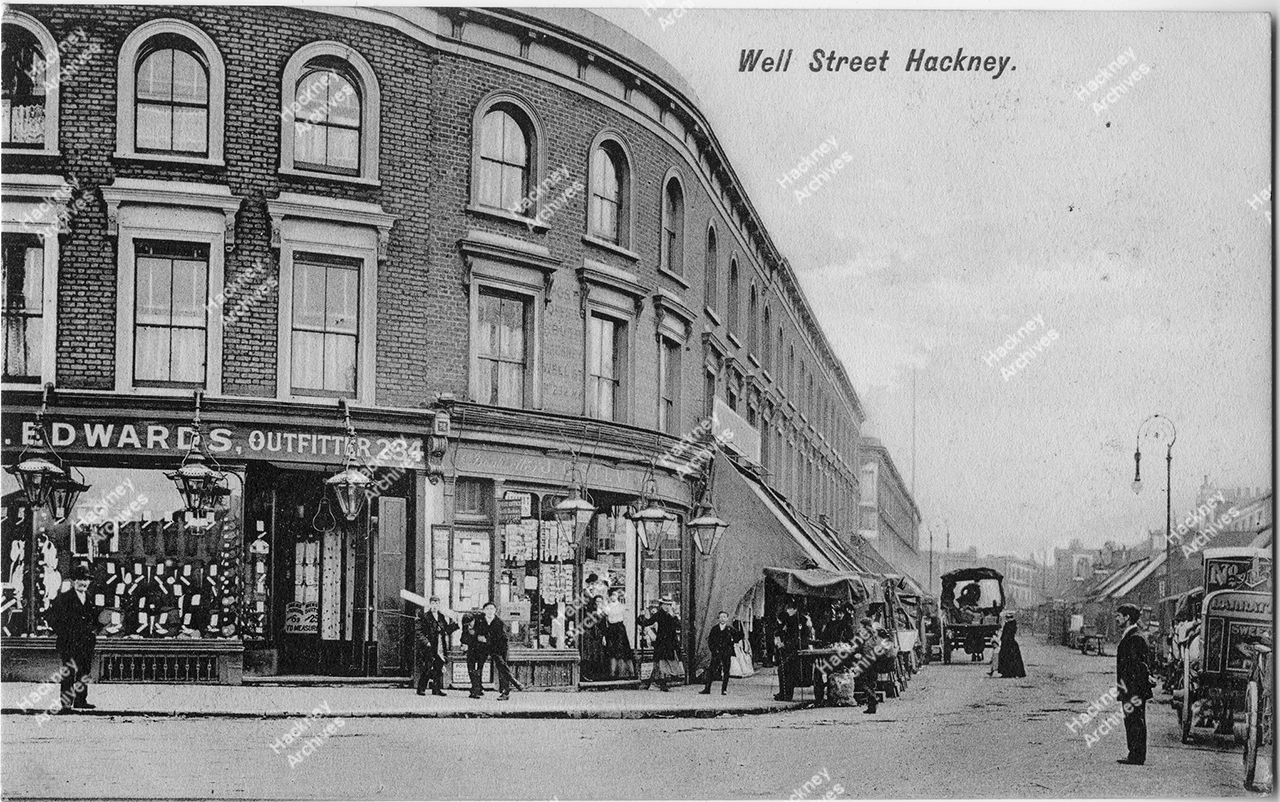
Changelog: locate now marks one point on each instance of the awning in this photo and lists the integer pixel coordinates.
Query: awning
(764, 532)
(1138, 577)
(846, 586)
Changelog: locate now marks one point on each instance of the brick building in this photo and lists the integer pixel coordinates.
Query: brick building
(889, 518)
(508, 240)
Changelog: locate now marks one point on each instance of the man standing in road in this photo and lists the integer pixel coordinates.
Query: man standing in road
(434, 628)
(1133, 678)
(74, 619)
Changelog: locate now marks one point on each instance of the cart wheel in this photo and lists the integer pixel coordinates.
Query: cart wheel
(1188, 702)
(1252, 732)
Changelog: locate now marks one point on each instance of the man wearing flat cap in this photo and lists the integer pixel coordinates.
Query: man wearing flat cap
(74, 619)
(1133, 679)
(433, 631)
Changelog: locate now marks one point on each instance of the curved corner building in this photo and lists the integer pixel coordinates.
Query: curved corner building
(508, 240)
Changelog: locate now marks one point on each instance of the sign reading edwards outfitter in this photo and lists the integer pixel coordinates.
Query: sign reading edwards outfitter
(235, 441)
(918, 61)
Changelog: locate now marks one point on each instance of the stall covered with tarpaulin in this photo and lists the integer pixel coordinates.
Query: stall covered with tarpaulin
(846, 586)
(764, 531)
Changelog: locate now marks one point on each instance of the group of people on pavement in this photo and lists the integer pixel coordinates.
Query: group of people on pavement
(485, 637)
(602, 632)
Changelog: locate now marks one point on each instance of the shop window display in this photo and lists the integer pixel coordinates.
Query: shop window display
(157, 572)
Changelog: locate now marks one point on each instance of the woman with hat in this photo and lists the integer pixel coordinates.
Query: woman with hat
(667, 667)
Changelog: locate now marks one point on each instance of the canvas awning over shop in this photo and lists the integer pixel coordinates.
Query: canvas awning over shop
(1136, 578)
(764, 532)
(845, 586)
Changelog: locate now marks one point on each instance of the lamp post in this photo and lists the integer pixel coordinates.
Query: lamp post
(1160, 427)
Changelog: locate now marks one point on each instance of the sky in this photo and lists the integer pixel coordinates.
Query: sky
(1120, 229)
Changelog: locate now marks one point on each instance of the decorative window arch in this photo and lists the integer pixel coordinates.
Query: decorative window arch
(710, 270)
(330, 114)
(30, 90)
(611, 180)
(170, 94)
(507, 157)
(671, 247)
(734, 301)
(753, 322)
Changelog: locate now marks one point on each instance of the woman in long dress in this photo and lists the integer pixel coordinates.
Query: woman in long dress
(594, 665)
(622, 660)
(1009, 663)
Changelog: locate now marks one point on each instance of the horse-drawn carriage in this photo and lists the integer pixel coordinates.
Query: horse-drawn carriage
(971, 602)
(1217, 647)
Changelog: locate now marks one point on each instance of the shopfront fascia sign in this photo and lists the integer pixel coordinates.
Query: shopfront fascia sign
(488, 461)
(231, 442)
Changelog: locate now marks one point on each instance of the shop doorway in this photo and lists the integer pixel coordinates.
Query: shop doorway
(320, 565)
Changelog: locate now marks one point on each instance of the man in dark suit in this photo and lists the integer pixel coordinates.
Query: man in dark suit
(794, 633)
(487, 640)
(433, 630)
(721, 640)
(1133, 679)
(74, 619)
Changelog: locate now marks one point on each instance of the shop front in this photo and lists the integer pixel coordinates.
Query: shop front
(277, 580)
(570, 587)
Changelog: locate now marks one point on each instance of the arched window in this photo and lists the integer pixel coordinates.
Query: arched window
(330, 122)
(673, 227)
(775, 358)
(709, 271)
(608, 217)
(753, 325)
(171, 86)
(791, 371)
(327, 122)
(504, 161)
(765, 332)
(30, 115)
(733, 299)
(171, 98)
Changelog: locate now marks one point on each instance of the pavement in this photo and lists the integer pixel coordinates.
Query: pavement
(747, 696)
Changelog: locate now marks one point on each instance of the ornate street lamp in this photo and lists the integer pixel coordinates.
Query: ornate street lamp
(350, 485)
(707, 528)
(648, 514)
(200, 479)
(43, 475)
(574, 513)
